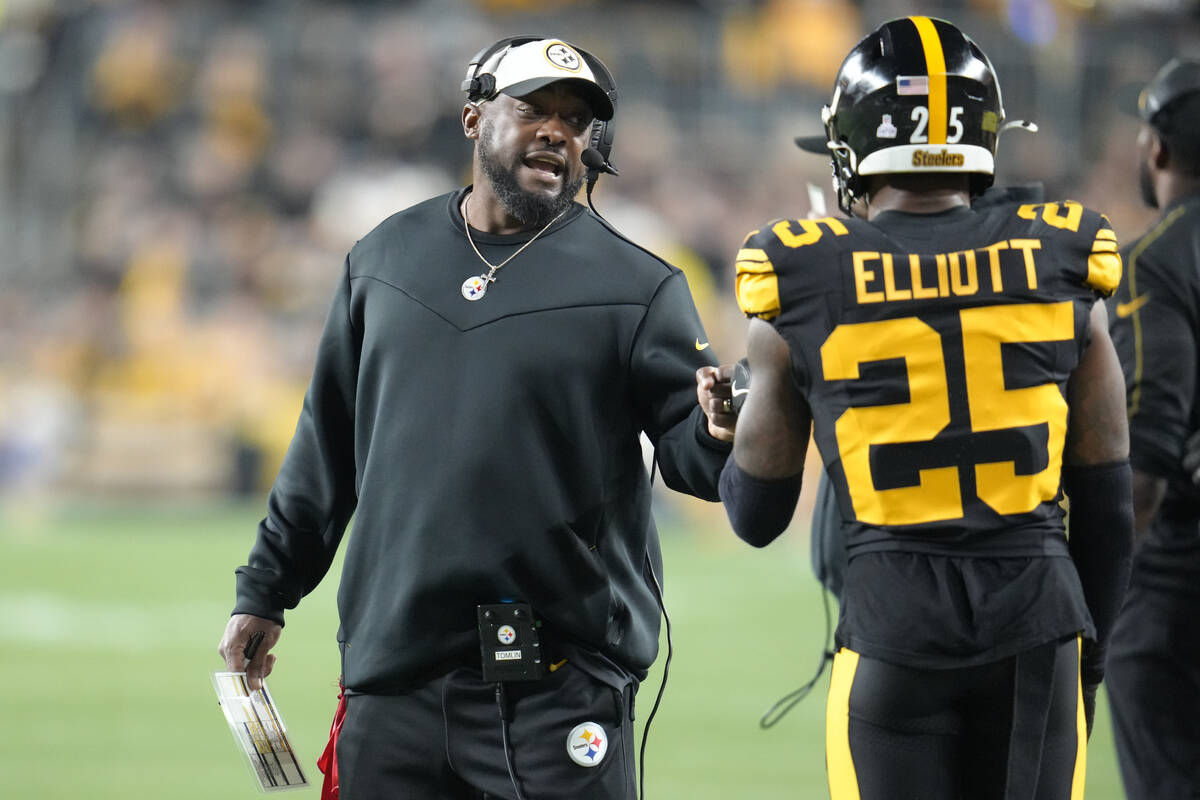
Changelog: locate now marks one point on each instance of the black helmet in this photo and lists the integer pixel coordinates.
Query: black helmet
(916, 95)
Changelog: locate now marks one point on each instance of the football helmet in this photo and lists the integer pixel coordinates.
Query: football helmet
(916, 95)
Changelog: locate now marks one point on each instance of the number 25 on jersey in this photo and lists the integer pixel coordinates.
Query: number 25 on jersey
(992, 407)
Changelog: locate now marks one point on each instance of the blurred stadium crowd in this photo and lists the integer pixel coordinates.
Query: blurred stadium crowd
(180, 181)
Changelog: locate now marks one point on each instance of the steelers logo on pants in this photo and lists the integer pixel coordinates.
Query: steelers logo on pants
(587, 744)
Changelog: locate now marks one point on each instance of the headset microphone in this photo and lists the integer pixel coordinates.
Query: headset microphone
(595, 162)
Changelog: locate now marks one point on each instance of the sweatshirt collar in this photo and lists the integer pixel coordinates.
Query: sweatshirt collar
(454, 206)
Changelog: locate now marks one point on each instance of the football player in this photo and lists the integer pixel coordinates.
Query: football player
(954, 367)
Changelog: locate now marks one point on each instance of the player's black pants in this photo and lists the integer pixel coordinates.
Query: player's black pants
(1010, 730)
(443, 741)
(1153, 682)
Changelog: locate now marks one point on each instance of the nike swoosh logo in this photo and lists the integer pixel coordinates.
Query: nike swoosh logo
(1125, 309)
(739, 392)
(700, 346)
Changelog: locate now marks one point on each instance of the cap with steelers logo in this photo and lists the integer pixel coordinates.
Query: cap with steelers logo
(528, 67)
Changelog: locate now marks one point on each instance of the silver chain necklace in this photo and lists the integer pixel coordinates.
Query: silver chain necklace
(476, 286)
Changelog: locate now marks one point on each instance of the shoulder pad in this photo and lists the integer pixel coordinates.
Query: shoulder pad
(756, 282)
(1104, 262)
(1089, 233)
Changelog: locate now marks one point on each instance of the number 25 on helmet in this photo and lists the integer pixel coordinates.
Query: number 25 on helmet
(916, 95)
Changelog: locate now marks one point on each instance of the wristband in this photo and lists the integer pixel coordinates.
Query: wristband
(759, 509)
(1100, 528)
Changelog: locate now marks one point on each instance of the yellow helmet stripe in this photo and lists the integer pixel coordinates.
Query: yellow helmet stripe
(935, 65)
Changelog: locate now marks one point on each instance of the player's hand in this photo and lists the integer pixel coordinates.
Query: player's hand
(1191, 458)
(1089, 704)
(739, 384)
(1091, 672)
(233, 647)
(716, 398)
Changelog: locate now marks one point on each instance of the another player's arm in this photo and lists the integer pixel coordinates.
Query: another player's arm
(1148, 493)
(1097, 479)
(1191, 459)
(761, 480)
(1163, 381)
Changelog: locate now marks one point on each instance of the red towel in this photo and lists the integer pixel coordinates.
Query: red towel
(327, 763)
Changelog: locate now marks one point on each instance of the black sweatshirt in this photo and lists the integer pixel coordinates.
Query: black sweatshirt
(488, 449)
(1155, 324)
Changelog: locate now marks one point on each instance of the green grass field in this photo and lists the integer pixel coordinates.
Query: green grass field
(110, 617)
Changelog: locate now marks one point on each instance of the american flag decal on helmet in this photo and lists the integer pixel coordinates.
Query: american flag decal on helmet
(912, 84)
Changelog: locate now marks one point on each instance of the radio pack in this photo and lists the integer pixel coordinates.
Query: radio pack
(508, 643)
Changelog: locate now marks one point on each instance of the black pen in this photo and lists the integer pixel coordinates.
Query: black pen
(252, 647)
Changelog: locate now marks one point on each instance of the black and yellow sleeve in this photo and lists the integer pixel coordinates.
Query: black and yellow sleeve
(755, 281)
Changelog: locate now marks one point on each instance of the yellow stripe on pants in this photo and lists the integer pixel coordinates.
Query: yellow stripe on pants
(843, 780)
(1080, 777)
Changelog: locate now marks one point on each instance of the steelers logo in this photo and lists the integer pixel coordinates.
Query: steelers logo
(587, 744)
(507, 634)
(474, 287)
(562, 56)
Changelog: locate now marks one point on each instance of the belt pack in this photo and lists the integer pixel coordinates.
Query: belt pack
(509, 646)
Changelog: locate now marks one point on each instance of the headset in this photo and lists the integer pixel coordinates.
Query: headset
(480, 85)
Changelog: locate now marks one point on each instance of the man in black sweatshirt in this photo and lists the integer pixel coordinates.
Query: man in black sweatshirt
(488, 364)
(1154, 662)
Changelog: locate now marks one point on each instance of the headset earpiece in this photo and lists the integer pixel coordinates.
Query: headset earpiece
(470, 83)
(602, 130)
(483, 86)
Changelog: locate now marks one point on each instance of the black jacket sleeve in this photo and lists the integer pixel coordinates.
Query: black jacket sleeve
(1160, 367)
(314, 494)
(670, 346)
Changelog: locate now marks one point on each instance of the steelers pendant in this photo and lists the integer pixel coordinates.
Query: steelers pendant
(474, 287)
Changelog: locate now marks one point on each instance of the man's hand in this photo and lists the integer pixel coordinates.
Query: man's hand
(1191, 458)
(233, 647)
(716, 398)
(1089, 704)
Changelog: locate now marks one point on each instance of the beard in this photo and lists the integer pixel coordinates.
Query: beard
(532, 209)
(1146, 185)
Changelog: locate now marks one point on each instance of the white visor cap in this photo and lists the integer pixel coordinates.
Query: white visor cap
(530, 66)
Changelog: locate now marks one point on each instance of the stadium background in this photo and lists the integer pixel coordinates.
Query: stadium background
(179, 183)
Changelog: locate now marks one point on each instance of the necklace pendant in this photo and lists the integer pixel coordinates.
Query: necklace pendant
(474, 287)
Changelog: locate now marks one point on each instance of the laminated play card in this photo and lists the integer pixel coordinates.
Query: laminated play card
(259, 731)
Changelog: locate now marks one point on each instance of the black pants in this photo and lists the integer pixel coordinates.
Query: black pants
(443, 741)
(1153, 681)
(1010, 730)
